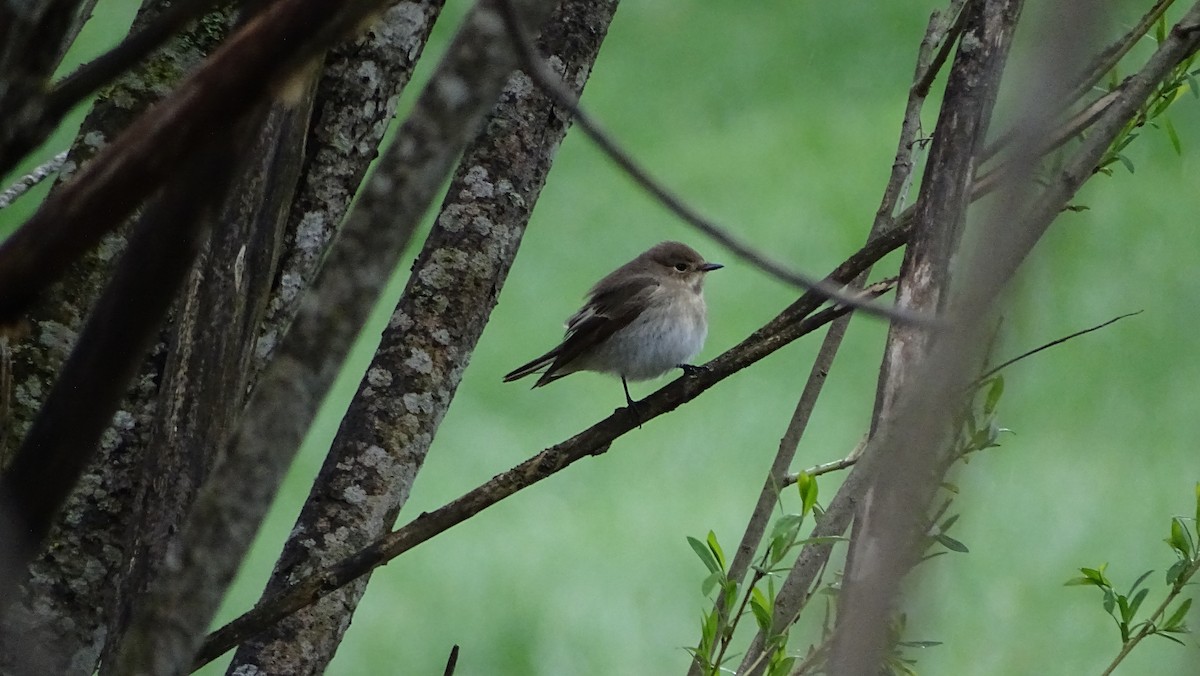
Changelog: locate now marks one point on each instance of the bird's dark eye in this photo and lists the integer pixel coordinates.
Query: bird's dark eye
(682, 267)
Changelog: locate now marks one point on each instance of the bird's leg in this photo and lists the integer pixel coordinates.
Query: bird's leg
(691, 369)
(632, 405)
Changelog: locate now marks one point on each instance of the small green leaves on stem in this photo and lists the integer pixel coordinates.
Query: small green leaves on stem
(1163, 621)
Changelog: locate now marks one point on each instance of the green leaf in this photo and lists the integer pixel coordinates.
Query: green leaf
(716, 549)
(1080, 582)
(1110, 601)
(708, 631)
(951, 544)
(1140, 580)
(760, 605)
(1197, 508)
(1160, 29)
(1175, 571)
(995, 391)
(1176, 618)
(711, 581)
(1097, 574)
(1126, 612)
(705, 555)
(1169, 637)
(1137, 602)
(807, 485)
(1172, 135)
(1179, 540)
(1127, 162)
(783, 667)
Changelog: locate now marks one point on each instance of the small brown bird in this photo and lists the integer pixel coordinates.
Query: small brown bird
(642, 320)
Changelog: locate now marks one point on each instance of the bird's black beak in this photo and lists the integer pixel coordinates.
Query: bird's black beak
(709, 267)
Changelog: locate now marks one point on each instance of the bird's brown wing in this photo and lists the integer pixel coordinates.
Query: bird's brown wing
(610, 308)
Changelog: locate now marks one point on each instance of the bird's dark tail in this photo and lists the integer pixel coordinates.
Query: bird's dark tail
(533, 367)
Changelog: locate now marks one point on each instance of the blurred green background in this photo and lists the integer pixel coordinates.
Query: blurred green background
(780, 119)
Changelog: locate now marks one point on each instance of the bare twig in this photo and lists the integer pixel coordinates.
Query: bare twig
(28, 181)
(795, 321)
(1030, 353)
(451, 661)
(827, 467)
(537, 70)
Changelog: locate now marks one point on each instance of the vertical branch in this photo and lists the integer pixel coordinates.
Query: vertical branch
(385, 435)
(938, 32)
(232, 503)
(884, 544)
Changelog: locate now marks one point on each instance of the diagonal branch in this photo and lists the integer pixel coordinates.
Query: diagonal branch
(795, 321)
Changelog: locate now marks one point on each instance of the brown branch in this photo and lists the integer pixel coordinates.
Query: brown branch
(231, 504)
(938, 31)
(884, 527)
(795, 321)
(553, 85)
(381, 446)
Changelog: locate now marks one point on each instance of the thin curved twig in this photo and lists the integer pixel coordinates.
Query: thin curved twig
(537, 70)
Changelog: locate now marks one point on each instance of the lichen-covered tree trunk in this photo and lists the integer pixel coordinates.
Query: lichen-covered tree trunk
(115, 528)
(70, 585)
(384, 438)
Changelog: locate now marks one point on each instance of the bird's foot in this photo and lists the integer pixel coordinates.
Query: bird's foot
(692, 370)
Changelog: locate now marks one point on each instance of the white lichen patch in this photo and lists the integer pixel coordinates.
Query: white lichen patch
(420, 404)
(400, 321)
(57, 337)
(441, 336)
(519, 85)
(110, 247)
(477, 183)
(378, 377)
(123, 420)
(28, 393)
(95, 139)
(451, 218)
(312, 233)
(354, 495)
(419, 362)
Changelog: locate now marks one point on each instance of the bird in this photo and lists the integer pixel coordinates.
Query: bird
(639, 322)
